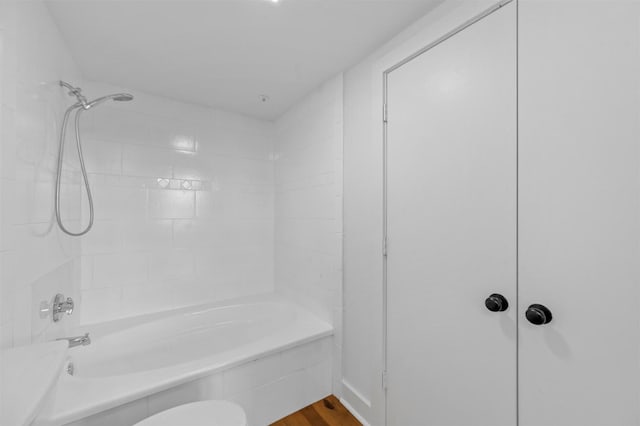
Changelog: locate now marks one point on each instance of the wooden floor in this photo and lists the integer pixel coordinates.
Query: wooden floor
(326, 412)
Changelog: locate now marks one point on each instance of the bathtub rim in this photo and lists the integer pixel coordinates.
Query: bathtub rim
(103, 328)
(97, 393)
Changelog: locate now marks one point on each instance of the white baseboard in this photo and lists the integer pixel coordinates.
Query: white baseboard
(354, 412)
(356, 393)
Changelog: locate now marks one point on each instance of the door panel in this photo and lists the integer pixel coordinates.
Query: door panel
(451, 209)
(579, 211)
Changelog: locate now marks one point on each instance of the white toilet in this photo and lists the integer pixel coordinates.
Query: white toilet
(203, 413)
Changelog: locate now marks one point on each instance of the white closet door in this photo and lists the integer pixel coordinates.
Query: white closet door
(579, 210)
(451, 206)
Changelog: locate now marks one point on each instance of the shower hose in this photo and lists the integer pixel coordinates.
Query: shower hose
(63, 132)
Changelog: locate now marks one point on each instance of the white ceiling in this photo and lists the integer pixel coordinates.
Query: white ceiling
(225, 53)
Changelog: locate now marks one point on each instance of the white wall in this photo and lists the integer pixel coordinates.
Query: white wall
(308, 207)
(363, 322)
(183, 206)
(36, 259)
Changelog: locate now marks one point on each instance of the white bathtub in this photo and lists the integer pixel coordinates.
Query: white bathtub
(133, 359)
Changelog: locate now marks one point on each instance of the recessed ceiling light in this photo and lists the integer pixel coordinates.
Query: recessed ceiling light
(263, 98)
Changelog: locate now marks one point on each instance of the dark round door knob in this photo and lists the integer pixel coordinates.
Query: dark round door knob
(538, 314)
(496, 303)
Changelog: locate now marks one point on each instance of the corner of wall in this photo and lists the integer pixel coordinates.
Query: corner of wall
(308, 208)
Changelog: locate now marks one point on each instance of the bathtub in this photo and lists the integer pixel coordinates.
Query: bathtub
(199, 352)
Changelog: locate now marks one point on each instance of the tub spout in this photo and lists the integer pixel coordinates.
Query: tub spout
(78, 340)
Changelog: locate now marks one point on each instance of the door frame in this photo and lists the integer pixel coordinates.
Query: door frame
(385, 115)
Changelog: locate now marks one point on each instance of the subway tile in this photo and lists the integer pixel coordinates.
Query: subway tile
(6, 336)
(210, 204)
(317, 202)
(149, 234)
(170, 133)
(104, 237)
(86, 272)
(101, 304)
(307, 355)
(171, 204)
(41, 248)
(149, 162)
(33, 202)
(109, 199)
(167, 264)
(249, 202)
(318, 381)
(191, 165)
(22, 317)
(194, 233)
(312, 234)
(119, 125)
(145, 298)
(7, 214)
(102, 157)
(336, 371)
(253, 374)
(280, 398)
(242, 171)
(7, 286)
(7, 142)
(119, 269)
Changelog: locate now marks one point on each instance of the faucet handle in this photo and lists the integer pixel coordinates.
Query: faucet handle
(61, 306)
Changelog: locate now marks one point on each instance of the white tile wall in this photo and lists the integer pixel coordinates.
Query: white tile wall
(184, 206)
(268, 388)
(308, 207)
(36, 259)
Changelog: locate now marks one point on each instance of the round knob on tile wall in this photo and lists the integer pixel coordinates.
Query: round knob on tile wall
(496, 303)
(538, 314)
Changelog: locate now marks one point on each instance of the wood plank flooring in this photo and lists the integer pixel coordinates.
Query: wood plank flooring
(326, 412)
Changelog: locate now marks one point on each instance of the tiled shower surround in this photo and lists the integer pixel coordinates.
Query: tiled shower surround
(192, 205)
(36, 259)
(183, 206)
(308, 208)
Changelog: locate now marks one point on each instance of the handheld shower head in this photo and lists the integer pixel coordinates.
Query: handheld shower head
(119, 97)
(78, 108)
(123, 97)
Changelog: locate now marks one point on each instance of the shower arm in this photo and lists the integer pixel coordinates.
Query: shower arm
(75, 91)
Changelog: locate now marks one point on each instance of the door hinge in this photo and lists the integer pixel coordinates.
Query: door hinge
(384, 113)
(385, 244)
(384, 380)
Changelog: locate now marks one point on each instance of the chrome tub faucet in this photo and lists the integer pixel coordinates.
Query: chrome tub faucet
(78, 340)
